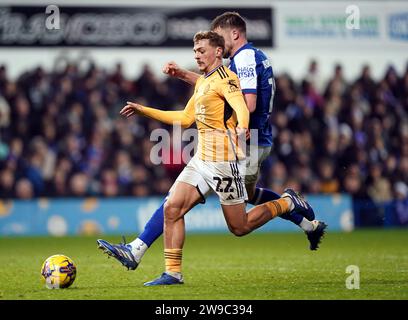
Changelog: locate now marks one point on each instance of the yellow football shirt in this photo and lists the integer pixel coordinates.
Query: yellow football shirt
(219, 107)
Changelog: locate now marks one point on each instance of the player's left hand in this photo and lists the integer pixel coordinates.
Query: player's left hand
(131, 109)
(243, 131)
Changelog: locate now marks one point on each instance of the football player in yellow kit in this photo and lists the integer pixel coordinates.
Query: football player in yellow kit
(218, 108)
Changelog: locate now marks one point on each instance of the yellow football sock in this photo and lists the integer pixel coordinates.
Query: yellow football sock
(277, 207)
(172, 258)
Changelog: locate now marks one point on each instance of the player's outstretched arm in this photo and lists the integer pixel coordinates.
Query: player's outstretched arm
(172, 69)
(183, 117)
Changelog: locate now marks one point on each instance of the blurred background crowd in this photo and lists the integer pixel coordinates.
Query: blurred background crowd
(61, 134)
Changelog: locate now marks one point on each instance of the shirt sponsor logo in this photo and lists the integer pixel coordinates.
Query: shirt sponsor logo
(246, 72)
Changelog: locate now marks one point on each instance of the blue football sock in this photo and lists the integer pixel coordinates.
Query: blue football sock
(263, 195)
(296, 218)
(154, 227)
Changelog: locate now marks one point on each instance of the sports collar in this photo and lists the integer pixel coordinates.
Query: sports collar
(212, 71)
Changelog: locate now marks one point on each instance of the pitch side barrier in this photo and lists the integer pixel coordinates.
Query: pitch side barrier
(86, 216)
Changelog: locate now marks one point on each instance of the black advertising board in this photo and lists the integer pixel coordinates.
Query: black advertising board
(103, 26)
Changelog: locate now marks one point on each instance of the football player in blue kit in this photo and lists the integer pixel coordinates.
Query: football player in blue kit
(258, 86)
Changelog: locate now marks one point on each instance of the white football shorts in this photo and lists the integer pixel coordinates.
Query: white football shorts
(226, 179)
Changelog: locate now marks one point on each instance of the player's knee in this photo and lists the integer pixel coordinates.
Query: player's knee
(237, 231)
(171, 210)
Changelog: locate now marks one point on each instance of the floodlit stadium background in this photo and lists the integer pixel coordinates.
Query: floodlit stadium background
(70, 165)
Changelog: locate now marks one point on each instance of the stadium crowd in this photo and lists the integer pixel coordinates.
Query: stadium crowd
(61, 134)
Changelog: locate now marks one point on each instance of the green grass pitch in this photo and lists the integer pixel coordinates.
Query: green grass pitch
(266, 266)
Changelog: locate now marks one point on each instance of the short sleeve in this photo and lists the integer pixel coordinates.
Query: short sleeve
(245, 64)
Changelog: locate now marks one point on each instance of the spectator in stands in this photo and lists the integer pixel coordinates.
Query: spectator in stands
(401, 202)
(337, 84)
(109, 183)
(313, 75)
(79, 185)
(367, 84)
(24, 189)
(378, 187)
(7, 184)
(277, 177)
(4, 114)
(328, 182)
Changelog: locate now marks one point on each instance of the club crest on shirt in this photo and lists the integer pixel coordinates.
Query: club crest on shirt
(233, 86)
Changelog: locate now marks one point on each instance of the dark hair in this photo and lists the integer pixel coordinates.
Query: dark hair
(229, 20)
(214, 38)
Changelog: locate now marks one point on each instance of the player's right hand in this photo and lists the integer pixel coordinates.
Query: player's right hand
(131, 109)
(172, 69)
